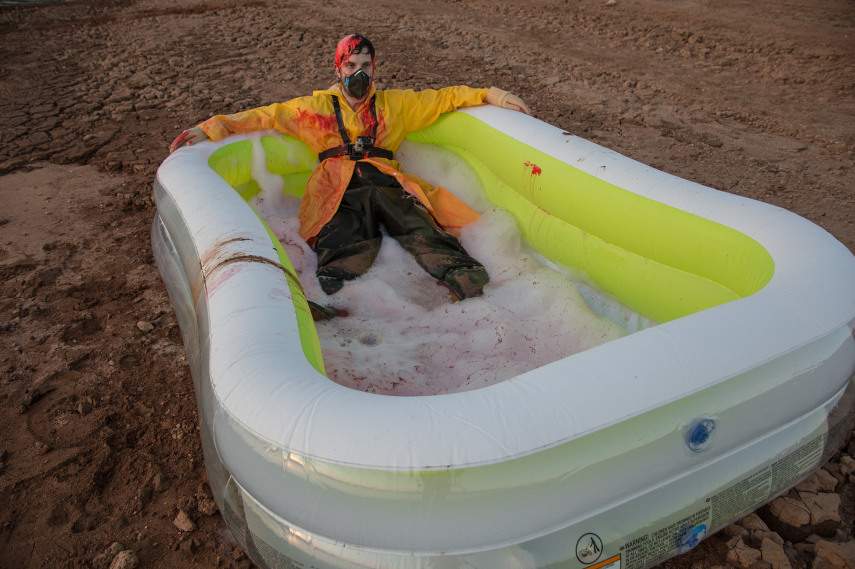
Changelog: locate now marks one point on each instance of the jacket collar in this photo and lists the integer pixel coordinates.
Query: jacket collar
(337, 90)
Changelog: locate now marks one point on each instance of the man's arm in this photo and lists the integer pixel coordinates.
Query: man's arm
(221, 126)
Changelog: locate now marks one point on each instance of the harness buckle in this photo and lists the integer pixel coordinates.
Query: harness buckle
(361, 147)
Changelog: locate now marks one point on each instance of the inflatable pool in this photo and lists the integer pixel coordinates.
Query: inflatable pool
(739, 385)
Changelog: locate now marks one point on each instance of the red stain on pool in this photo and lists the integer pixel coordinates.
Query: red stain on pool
(535, 169)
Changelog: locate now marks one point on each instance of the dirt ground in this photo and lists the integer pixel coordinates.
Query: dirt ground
(98, 433)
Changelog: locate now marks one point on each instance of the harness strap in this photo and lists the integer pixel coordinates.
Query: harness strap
(372, 108)
(355, 151)
(341, 130)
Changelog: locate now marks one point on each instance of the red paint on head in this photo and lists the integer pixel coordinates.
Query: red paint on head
(348, 45)
(535, 169)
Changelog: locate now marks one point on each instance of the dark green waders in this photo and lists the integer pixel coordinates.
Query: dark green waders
(348, 244)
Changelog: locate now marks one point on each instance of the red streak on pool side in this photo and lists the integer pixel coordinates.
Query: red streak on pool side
(535, 169)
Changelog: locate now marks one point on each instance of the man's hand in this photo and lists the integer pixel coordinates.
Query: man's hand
(188, 137)
(499, 98)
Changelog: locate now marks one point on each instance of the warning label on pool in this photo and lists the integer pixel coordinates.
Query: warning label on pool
(723, 507)
(753, 490)
(663, 542)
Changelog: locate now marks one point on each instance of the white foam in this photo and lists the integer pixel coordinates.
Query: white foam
(404, 335)
(271, 185)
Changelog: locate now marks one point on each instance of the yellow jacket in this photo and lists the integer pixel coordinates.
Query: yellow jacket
(312, 120)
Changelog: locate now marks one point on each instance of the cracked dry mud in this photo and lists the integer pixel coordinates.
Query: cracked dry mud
(99, 457)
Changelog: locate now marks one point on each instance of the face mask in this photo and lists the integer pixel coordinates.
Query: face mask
(357, 84)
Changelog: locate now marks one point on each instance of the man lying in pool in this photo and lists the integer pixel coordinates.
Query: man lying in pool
(358, 185)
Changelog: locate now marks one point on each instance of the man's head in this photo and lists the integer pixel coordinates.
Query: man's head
(354, 64)
(350, 44)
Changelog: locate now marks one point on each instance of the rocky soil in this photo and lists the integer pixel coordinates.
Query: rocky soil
(100, 461)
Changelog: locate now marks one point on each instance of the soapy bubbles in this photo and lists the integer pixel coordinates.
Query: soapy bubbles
(405, 336)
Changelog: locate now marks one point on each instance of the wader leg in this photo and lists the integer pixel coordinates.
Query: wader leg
(437, 251)
(348, 244)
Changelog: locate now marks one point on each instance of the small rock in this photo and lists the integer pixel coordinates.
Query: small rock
(758, 530)
(126, 559)
(789, 518)
(824, 512)
(115, 548)
(742, 555)
(847, 465)
(736, 530)
(820, 481)
(753, 522)
(206, 506)
(830, 555)
(105, 558)
(773, 554)
(145, 326)
(183, 522)
(834, 468)
(42, 448)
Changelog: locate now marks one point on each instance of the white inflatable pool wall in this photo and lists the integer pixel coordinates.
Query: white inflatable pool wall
(622, 455)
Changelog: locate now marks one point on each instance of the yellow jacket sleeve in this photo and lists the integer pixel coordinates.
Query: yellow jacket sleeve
(278, 116)
(221, 126)
(415, 110)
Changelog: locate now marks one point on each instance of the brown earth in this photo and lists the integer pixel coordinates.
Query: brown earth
(98, 435)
